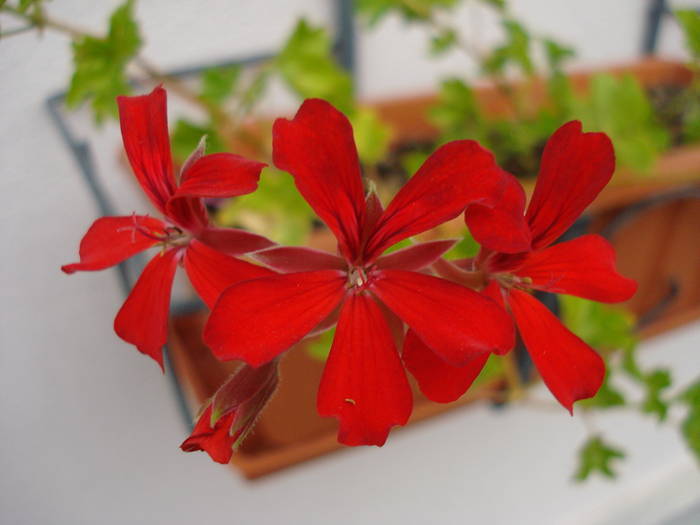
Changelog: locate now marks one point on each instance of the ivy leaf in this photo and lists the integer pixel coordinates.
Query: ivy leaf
(308, 67)
(186, 136)
(597, 456)
(607, 397)
(656, 382)
(100, 64)
(456, 112)
(443, 42)
(372, 136)
(621, 108)
(375, 10)
(515, 51)
(602, 326)
(465, 248)
(689, 20)
(556, 53)
(275, 209)
(218, 83)
(690, 428)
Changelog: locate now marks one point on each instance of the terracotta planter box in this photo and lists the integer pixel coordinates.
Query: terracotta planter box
(658, 247)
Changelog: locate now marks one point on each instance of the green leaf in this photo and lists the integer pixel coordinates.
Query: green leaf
(689, 20)
(621, 108)
(690, 428)
(320, 346)
(607, 397)
(656, 382)
(496, 4)
(515, 51)
(556, 53)
(372, 136)
(602, 326)
(186, 136)
(465, 248)
(456, 112)
(411, 161)
(100, 64)
(218, 83)
(308, 67)
(375, 10)
(443, 42)
(597, 456)
(25, 5)
(276, 210)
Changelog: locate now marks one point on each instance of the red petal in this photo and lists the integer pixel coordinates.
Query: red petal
(289, 259)
(144, 123)
(494, 292)
(220, 175)
(575, 167)
(110, 240)
(318, 148)
(584, 266)
(456, 175)
(256, 320)
(211, 272)
(569, 367)
(363, 383)
(502, 227)
(232, 241)
(415, 257)
(455, 322)
(143, 318)
(216, 441)
(189, 213)
(241, 387)
(437, 380)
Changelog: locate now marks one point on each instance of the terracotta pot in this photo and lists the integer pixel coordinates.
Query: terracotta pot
(656, 247)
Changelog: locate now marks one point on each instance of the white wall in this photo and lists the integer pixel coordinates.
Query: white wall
(89, 430)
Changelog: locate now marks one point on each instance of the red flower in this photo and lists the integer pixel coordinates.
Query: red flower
(575, 167)
(230, 415)
(364, 383)
(186, 235)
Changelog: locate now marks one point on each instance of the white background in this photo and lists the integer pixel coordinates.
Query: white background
(89, 430)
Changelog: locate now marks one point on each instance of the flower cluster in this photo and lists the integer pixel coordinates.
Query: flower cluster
(406, 310)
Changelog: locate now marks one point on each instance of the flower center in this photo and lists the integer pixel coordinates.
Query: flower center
(358, 278)
(509, 280)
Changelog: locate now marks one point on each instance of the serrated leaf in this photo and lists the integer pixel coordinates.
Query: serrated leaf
(597, 456)
(372, 136)
(307, 66)
(621, 108)
(100, 64)
(456, 112)
(602, 326)
(689, 20)
(465, 248)
(443, 42)
(275, 209)
(218, 83)
(556, 53)
(375, 10)
(607, 397)
(690, 428)
(656, 382)
(185, 138)
(515, 51)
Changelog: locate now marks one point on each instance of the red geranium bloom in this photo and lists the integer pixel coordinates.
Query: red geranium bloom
(364, 383)
(575, 167)
(231, 413)
(186, 235)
